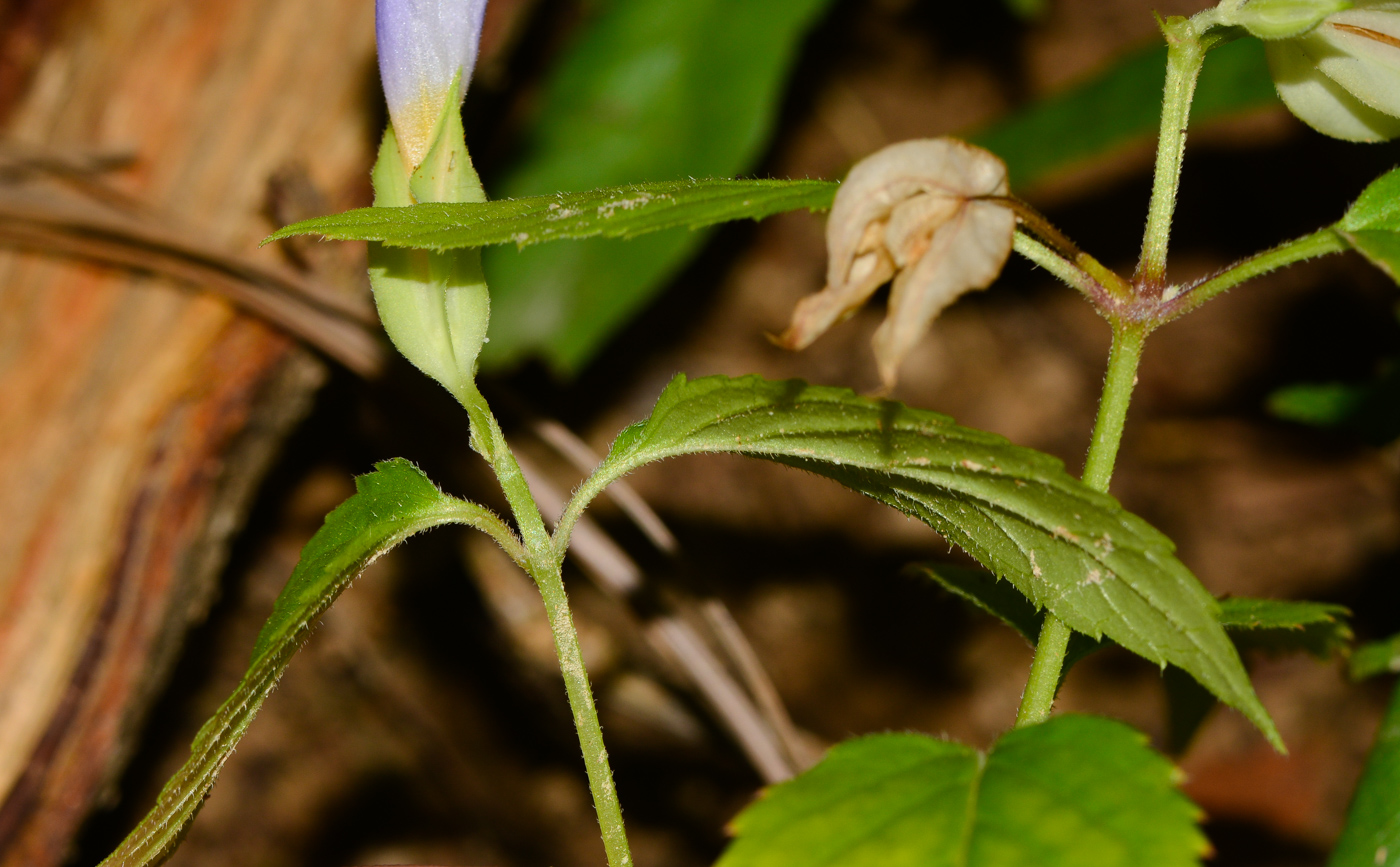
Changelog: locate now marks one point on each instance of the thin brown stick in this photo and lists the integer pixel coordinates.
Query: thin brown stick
(48, 220)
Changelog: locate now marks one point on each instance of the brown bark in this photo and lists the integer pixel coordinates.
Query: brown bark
(139, 414)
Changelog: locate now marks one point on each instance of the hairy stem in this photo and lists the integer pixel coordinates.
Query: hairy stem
(1039, 696)
(544, 564)
(1067, 272)
(1185, 57)
(1123, 360)
(1320, 243)
(590, 733)
(1128, 340)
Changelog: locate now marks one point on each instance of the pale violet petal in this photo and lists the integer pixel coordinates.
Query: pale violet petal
(1320, 102)
(423, 45)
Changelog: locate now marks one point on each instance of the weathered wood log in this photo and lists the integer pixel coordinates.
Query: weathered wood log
(139, 414)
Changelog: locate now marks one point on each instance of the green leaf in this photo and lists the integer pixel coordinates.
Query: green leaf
(1120, 106)
(1371, 410)
(1325, 404)
(391, 504)
(651, 91)
(1372, 225)
(1377, 208)
(1265, 624)
(1376, 658)
(1270, 625)
(620, 212)
(1278, 626)
(1075, 791)
(1100, 569)
(1372, 834)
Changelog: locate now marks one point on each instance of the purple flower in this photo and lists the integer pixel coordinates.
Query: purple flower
(423, 45)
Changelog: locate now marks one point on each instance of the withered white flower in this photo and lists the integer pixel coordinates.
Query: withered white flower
(1343, 76)
(917, 212)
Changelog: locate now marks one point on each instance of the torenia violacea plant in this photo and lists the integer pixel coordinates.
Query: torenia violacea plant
(434, 305)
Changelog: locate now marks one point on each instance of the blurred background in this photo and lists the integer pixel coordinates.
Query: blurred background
(181, 409)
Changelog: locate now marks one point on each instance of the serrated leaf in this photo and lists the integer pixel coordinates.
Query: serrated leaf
(1376, 658)
(1372, 225)
(1100, 569)
(619, 212)
(1280, 626)
(1270, 625)
(1372, 834)
(392, 503)
(1076, 791)
(1264, 624)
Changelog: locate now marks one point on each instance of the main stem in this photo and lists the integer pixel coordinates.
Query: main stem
(545, 566)
(1185, 56)
(1128, 340)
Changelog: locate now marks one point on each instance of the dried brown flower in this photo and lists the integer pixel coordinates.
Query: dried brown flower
(921, 212)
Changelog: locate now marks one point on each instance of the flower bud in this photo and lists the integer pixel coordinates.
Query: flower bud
(917, 212)
(435, 306)
(1284, 19)
(1343, 76)
(425, 47)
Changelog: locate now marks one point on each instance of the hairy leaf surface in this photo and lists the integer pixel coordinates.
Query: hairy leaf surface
(619, 212)
(1100, 569)
(1075, 791)
(390, 504)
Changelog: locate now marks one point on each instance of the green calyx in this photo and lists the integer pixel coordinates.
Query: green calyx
(435, 307)
(1282, 19)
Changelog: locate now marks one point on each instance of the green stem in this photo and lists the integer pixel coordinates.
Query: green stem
(545, 565)
(1320, 243)
(1185, 57)
(549, 578)
(1118, 386)
(1039, 696)
(1068, 273)
(1128, 340)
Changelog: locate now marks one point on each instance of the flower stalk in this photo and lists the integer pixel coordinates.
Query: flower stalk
(435, 307)
(1185, 58)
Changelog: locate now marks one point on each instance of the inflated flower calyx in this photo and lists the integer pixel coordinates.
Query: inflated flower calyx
(1342, 77)
(435, 307)
(921, 212)
(1283, 19)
